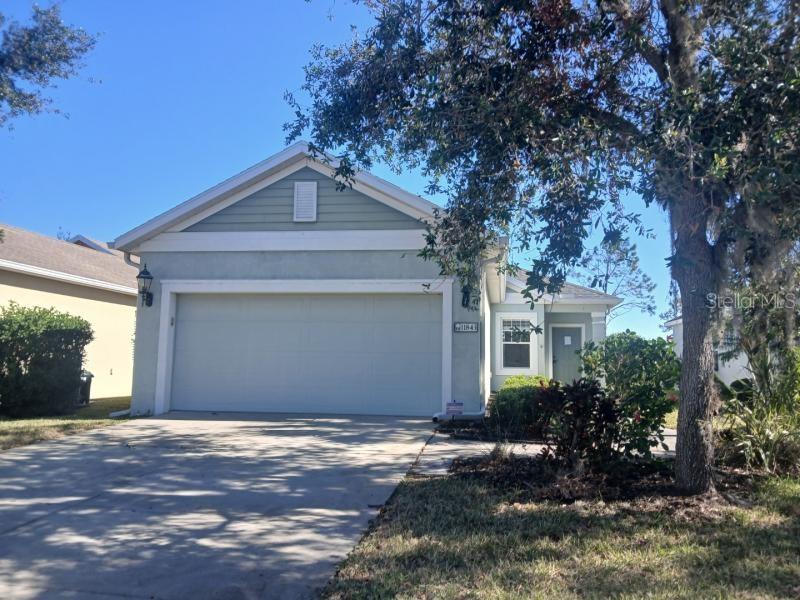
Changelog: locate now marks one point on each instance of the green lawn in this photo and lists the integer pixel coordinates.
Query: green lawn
(463, 538)
(20, 432)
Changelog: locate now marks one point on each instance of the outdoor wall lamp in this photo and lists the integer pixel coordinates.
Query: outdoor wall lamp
(466, 292)
(145, 280)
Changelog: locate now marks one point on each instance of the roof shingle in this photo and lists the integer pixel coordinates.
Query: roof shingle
(36, 250)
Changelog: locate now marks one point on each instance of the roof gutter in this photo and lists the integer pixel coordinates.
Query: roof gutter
(16, 267)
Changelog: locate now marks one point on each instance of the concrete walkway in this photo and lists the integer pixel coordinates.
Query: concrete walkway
(441, 449)
(196, 505)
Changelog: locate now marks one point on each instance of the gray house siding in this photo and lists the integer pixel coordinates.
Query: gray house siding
(294, 265)
(271, 209)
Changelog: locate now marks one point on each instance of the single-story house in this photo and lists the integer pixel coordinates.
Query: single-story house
(727, 371)
(273, 291)
(82, 277)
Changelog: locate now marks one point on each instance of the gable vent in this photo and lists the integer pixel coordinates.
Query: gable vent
(305, 201)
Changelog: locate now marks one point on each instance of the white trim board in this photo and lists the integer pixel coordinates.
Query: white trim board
(170, 288)
(260, 175)
(550, 327)
(16, 267)
(213, 241)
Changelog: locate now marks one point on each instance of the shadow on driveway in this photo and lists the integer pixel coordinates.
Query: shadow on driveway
(197, 505)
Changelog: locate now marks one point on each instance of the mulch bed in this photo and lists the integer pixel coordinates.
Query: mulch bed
(650, 482)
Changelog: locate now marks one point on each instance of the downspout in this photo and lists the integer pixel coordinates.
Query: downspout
(127, 257)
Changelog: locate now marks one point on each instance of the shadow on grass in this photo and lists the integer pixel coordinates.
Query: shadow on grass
(455, 537)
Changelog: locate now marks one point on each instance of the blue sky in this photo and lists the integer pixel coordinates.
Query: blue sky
(176, 97)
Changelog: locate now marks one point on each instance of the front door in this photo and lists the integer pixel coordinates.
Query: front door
(567, 341)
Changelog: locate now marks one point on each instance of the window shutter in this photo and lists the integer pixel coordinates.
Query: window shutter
(305, 201)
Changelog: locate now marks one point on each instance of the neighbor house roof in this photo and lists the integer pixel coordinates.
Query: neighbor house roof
(298, 154)
(39, 255)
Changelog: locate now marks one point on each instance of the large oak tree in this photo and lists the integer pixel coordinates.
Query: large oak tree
(539, 116)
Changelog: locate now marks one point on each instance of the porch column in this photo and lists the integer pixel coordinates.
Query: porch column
(598, 326)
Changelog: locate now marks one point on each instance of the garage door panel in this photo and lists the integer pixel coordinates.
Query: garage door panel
(406, 308)
(365, 354)
(337, 308)
(329, 337)
(399, 338)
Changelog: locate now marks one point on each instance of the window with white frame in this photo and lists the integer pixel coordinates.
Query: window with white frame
(516, 343)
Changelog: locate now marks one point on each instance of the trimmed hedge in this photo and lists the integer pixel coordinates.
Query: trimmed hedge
(41, 355)
(521, 407)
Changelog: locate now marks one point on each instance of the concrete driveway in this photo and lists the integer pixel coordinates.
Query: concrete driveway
(196, 505)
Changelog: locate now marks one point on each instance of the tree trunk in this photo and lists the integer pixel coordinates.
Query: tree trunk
(695, 269)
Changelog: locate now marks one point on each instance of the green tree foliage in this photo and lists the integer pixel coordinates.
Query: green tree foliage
(41, 354)
(641, 373)
(537, 118)
(33, 57)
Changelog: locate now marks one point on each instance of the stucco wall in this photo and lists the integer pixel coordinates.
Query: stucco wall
(112, 315)
(545, 316)
(294, 265)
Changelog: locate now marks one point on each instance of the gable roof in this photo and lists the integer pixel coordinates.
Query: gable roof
(294, 157)
(570, 292)
(24, 251)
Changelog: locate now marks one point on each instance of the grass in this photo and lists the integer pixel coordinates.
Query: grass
(457, 537)
(20, 432)
(671, 420)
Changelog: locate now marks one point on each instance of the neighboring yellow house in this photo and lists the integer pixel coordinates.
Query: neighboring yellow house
(84, 278)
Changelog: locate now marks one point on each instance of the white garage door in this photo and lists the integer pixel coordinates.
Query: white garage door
(354, 354)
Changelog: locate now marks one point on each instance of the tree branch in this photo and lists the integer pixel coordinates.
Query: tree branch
(632, 26)
(684, 43)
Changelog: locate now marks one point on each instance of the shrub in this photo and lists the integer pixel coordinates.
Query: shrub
(41, 354)
(586, 428)
(760, 427)
(641, 373)
(521, 406)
